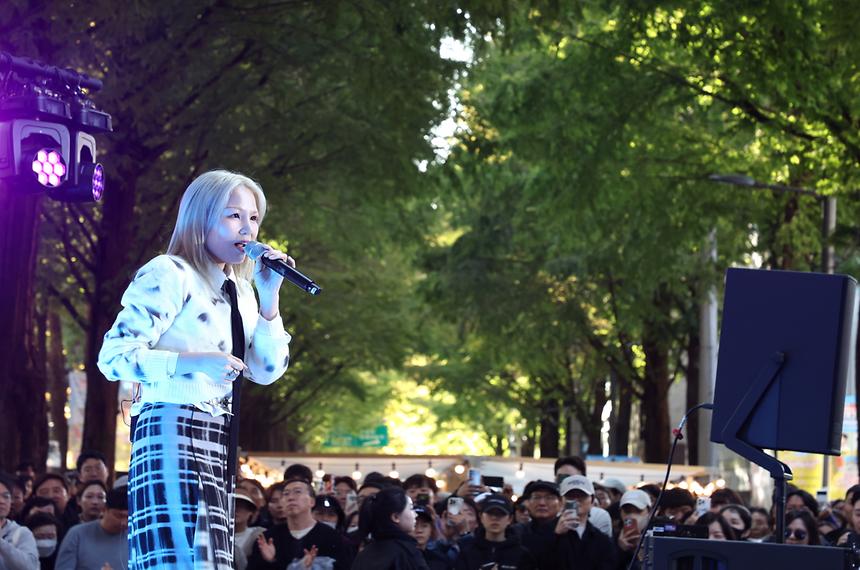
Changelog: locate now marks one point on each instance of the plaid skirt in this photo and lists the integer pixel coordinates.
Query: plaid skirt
(180, 515)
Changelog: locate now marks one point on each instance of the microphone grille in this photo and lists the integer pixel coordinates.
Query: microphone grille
(254, 249)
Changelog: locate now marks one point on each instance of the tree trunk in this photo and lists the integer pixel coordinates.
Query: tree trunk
(22, 405)
(655, 403)
(58, 385)
(619, 429)
(110, 279)
(692, 374)
(549, 429)
(594, 426)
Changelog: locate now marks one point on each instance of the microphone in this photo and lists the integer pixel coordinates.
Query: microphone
(255, 250)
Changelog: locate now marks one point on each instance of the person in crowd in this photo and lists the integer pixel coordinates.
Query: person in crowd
(92, 466)
(254, 489)
(346, 492)
(427, 536)
(739, 518)
(800, 528)
(602, 496)
(579, 544)
(848, 506)
(543, 499)
(389, 518)
(677, 504)
(276, 505)
(635, 506)
(327, 511)
(760, 524)
(492, 543)
(718, 528)
(571, 465)
(421, 489)
(456, 526)
(521, 512)
(579, 488)
(653, 491)
(18, 549)
(55, 487)
(831, 525)
(575, 466)
(302, 542)
(35, 505)
(190, 327)
(725, 496)
(26, 469)
(26, 483)
(47, 530)
(92, 498)
(18, 498)
(298, 471)
(246, 535)
(616, 489)
(367, 489)
(800, 500)
(99, 543)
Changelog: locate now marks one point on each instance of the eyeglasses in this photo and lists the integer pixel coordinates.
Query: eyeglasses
(797, 533)
(6, 496)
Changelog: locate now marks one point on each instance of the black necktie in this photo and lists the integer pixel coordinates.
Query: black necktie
(239, 352)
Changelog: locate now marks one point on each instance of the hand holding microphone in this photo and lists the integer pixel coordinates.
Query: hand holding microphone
(256, 250)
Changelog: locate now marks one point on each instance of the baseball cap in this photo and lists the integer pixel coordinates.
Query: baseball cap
(616, 484)
(577, 482)
(497, 503)
(423, 511)
(540, 485)
(242, 495)
(636, 498)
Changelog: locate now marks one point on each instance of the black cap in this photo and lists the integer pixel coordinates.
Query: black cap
(117, 498)
(423, 511)
(497, 503)
(541, 485)
(325, 503)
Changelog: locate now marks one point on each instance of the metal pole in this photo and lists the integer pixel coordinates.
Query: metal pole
(828, 265)
(708, 358)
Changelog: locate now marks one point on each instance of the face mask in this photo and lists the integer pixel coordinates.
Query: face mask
(46, 546)
(330, 524)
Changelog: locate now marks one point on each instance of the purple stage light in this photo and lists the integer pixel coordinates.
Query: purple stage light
(49, 167)
(98, 182)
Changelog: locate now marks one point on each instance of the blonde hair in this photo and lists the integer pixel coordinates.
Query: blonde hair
(199, 210)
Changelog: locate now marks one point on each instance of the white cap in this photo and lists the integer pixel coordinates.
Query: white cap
(636, 498)
(576, 482)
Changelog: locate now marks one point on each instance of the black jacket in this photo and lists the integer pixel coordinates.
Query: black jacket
(327, 540)
(394, 551)
(594, 551)
(537, 537)
(436, 559)
(508, 555)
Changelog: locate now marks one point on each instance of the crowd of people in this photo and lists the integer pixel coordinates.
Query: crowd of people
(55, 521)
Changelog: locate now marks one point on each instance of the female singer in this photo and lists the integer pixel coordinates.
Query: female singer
(174, 337)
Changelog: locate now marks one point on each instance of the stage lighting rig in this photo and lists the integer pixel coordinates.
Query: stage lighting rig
(47, 123)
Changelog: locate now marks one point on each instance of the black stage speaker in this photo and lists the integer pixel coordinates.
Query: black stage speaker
(697, 554)
(785, 347)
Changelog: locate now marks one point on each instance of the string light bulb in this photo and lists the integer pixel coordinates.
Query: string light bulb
(430, 472)
(394, 473)
(320, 472)
(520, 474)
(460, 469)
(356, 475)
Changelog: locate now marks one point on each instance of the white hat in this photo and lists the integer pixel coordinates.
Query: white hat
(576, 482)
(636, 498)
(615, 484)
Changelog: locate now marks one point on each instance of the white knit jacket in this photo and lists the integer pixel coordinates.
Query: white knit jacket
(169, 308)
